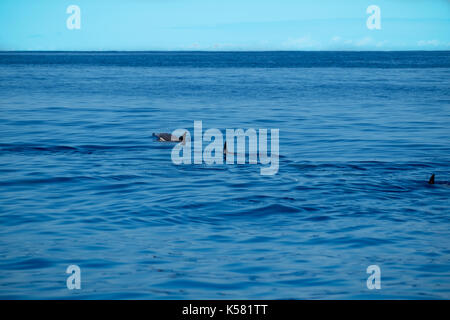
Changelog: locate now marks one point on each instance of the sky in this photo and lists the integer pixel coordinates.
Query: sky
(224, 25)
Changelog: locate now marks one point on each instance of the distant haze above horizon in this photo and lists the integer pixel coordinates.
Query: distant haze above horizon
(202, 25)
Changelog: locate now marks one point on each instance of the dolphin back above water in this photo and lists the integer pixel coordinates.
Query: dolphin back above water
(167, 137)
(432, 181)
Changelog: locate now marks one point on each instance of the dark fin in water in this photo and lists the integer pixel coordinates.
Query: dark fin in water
(431, 181)
(163, 137)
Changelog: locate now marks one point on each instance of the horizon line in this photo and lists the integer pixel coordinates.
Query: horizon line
(218, 51)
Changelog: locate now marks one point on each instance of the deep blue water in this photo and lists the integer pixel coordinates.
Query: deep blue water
(83, 182)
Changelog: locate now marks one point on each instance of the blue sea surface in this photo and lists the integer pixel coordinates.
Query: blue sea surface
(82, 180)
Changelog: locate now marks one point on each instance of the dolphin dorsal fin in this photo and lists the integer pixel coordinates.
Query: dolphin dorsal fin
(431, 181)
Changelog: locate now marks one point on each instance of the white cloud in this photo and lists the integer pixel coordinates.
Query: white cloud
(380, 44)
(336, 39)
(340, 42)
(364, 42)
(305, 42)
(422, 43)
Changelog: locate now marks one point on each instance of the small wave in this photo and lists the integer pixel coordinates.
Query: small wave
(268, 210)
(30, 263)
(84, 149)
(34, 148)
(45, 180)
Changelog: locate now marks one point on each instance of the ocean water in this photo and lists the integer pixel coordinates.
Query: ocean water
(83, 182)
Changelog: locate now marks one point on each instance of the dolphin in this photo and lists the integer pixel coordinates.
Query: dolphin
(225, 150)
(432, 181)
(167, 137)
